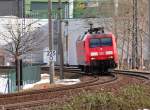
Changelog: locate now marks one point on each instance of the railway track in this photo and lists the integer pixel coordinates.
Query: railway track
(43, 97)
(94, 81)
(45, 101)
(25, 98)
(144, 75)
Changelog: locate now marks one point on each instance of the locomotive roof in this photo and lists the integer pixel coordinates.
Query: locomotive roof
(85, 35)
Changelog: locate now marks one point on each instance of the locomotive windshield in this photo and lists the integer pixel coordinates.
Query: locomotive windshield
(98, 42)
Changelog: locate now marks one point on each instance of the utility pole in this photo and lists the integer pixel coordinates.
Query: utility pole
(134, 37)
(66, 25)
(17, 11)
(115, 16)
(17, 68)
(115, 22)
(23, 33)
(51, 63)
(60, 41)
(149, 28)
(116, 7)
(20, 14)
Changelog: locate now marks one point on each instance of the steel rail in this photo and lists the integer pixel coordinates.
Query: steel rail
(46, 101)
(131, 71)
(76, 86)
(144, 75)
(47, 90)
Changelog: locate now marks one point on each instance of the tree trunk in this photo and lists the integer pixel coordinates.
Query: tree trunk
(17, 62)
(141, 58)
(128, 45)
(122, 55)
(122, 52)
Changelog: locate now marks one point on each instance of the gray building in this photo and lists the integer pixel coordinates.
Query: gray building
(10, 7)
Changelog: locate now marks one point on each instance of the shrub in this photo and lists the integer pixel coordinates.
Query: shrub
(133, 97)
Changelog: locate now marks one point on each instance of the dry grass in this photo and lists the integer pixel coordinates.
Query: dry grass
(133, 97)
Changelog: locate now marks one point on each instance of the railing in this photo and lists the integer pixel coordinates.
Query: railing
(30, 74)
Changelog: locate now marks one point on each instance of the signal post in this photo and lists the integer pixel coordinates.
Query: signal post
(51, 62)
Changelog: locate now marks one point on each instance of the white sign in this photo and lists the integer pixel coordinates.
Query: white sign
(52, 55)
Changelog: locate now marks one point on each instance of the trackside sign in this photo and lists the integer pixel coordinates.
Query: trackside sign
(52, 55)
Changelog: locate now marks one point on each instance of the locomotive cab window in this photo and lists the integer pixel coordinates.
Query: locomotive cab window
(98, 42)
(106, 42)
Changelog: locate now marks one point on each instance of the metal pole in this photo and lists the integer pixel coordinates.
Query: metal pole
(115, 23)
(60, 42)
(66, 24)
(134, 37)
(23, 8)
(149, 30)
(17, 12)
(51, 63)
(23, 32)
(116, 7)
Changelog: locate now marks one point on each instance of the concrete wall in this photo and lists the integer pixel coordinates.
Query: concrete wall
(8, 7)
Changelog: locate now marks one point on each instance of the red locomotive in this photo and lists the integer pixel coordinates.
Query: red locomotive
(96, 51)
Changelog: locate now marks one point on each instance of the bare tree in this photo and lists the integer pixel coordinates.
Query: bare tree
(20, 39)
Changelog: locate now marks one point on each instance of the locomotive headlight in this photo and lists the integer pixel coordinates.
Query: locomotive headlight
(109, 52)
(110, 57)
(94, 53)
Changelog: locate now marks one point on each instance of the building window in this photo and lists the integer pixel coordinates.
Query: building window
(41, 9)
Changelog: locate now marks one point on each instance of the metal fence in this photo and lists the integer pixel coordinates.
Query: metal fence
(30, 74)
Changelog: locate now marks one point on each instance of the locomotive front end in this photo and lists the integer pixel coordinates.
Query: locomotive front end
(97, 51)
(102, 52)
